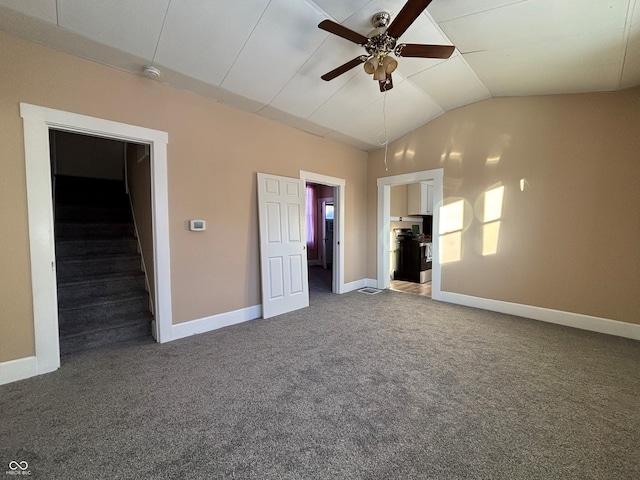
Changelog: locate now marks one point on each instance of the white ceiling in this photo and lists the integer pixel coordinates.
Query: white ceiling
(267, 56)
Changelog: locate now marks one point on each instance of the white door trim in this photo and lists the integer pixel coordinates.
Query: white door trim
(338, 223)
(36, 122)
(323, 246)
(384, 223)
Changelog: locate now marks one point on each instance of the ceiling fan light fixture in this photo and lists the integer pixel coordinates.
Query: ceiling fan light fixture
(371, 65)
(380, 73)
(390, 64)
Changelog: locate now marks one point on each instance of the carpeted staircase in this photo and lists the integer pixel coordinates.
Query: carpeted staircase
(101, 296)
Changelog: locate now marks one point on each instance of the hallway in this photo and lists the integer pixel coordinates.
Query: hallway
(319, 279)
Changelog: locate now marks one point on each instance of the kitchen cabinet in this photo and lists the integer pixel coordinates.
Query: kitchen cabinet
(420, 198)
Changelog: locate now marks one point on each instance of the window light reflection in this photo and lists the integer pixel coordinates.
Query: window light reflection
(493, 201)
(490, 235)
(451, 224)
(451, 247)
(493, 204)
(452, 217)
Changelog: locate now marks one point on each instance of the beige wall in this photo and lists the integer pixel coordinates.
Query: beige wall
(214, 153)
(569, 241)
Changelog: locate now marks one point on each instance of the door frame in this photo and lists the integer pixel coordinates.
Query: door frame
(384, 224)
(37, 121)
(338, 223)
(323, 211)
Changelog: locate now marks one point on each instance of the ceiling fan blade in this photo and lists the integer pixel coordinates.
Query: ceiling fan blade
(386, 84)
(411, 10)
(344, 68)
(424, 51)
(344, 32)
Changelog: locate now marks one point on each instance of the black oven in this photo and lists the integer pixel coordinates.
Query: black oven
(413, 261)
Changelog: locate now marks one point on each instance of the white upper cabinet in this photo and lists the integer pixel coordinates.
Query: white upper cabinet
(420, 198)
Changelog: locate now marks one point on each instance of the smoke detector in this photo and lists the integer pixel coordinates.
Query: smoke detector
(151, 72)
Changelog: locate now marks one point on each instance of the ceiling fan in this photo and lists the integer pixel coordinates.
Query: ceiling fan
(383, 41)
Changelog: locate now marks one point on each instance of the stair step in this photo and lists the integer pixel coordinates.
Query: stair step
(68, 247)
(81, 230)
(90, 293)
(93, 213)
(93, 311)
(72, 268)
(98, 287)
(101, 297)
(121, 332)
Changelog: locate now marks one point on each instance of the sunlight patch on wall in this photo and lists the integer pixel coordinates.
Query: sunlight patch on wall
(452, 217)
(404, 154)
(523, 184)
(490, 234)
(497, 149)
(451, 224)
(451, 247)
(493, 204)
(493, 201)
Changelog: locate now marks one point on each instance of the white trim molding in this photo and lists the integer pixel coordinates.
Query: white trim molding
(214, 322)
(36, 122)
(559, 317)
(19, 369)
(362, 283)
(338, 227)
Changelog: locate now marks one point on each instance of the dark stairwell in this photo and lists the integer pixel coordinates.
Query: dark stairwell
(102, 301)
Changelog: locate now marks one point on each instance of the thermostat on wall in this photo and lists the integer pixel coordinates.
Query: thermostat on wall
(197, 225)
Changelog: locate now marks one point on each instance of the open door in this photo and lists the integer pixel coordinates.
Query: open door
(283, 245)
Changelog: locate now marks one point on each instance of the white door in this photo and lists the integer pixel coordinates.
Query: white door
(283, 244)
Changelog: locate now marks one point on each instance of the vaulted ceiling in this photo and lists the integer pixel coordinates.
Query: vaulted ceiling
(267, 56)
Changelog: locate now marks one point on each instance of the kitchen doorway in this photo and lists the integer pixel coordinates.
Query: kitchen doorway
(384, 224)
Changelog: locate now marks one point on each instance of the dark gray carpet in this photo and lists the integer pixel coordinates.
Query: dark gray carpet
(355, 386)
(319, 280)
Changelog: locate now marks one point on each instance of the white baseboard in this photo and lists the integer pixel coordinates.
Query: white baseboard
(19, 369)
(314, 263)
(358, 284)
(202, 325)
(559, 317)
(371, 282)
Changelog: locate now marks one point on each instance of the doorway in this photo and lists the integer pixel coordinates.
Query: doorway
(326, 262)
(320, 237)
(103, 231)
(384, 224)
(37, 121)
